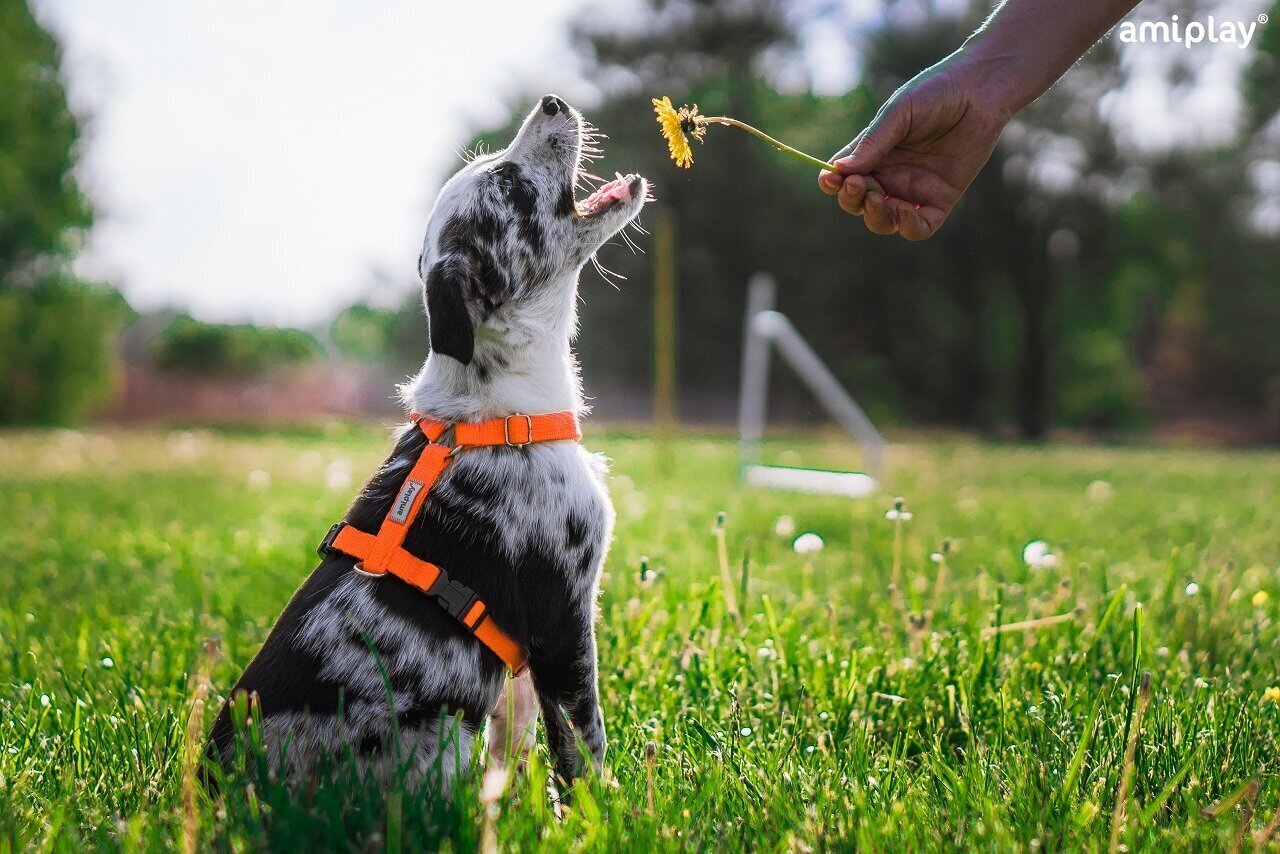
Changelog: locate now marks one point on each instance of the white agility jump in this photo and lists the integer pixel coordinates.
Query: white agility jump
(767, 329)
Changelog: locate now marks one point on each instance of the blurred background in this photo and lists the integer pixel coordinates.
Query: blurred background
(212, 214)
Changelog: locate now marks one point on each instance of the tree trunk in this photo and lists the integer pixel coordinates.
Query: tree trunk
(1033, 389)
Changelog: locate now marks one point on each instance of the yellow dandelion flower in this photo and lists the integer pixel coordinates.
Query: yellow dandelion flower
(1271, 695)
(678, 126)
(1260, 598)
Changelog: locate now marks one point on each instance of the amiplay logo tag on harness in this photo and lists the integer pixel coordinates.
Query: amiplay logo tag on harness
(404, 501)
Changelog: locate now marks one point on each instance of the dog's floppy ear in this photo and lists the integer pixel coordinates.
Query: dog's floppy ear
(452, 333)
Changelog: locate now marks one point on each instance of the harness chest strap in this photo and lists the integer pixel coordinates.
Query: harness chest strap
(382, 553)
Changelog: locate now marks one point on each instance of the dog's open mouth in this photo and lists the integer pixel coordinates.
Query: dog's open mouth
(620, 189)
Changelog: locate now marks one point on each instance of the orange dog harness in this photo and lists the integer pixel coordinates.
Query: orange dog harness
(382, 553)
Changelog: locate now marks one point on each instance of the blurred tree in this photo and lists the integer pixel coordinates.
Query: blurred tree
(193, 346)
(42, 209)
(57, 349)
(362, 333)
(395, 337)
(57, 335)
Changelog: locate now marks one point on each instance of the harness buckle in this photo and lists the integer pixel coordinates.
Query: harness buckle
(326, 545)
(528, 427)
(453, 596)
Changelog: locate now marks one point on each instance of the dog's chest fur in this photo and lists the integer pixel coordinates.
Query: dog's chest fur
(526, 528)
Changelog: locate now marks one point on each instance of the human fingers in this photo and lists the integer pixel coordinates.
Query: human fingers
(878, 214)
(852, 192)
(916, 222)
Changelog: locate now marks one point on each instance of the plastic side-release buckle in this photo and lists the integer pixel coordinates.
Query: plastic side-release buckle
(326, 545)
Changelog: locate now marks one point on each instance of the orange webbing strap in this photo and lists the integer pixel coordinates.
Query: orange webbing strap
(458, 599)
(515, 430)
(405, 507)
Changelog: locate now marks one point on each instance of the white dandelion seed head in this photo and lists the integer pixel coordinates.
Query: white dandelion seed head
(1037, 555)
(44, 700)
(808, 543)
(745, 731)
(936, 557)
(1193, 589)
(107, 663)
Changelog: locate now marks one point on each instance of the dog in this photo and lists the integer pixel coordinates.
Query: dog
(373, 667)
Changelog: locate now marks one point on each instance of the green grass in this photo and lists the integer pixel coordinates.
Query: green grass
(839, 712)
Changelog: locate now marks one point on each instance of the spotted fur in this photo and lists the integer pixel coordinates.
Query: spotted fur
(376, 668)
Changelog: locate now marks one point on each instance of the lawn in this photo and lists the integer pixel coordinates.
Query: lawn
(886, 691)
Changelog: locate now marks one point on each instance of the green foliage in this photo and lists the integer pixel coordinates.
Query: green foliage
(395, 337)
(1100, 387)
(41, 207)
(839, 713)
(362, 333)
(57, 350)
(230, 349)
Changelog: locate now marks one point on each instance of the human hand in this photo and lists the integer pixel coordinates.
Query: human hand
(905, 172)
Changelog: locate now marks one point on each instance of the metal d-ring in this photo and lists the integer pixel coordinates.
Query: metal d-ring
(359, 569)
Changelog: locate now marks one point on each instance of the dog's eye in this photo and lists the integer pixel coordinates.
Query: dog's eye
(506, 183)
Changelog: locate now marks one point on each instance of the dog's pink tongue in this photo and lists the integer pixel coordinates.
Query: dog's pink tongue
(617, 190)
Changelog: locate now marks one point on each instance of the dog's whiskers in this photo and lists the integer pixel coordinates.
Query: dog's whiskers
(608, 275)
(626, 238)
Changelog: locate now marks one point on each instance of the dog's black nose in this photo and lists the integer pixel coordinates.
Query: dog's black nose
(552, 105)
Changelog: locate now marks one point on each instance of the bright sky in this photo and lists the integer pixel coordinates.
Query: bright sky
(263, 160)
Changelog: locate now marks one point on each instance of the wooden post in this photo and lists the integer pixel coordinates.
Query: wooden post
(664, 324)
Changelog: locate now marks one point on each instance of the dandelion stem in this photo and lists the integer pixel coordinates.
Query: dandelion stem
(778, 144)
(1130, 753)
(939, 581)
(191, 789)
(895, 579)
(1028, 625)
(825, 165)
(722, 554)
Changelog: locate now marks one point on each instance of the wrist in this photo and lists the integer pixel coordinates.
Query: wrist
(995, 75)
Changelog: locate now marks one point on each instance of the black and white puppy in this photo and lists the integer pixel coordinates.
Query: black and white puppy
(525, 527)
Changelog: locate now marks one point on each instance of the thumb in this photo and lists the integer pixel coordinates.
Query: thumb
(868, 148)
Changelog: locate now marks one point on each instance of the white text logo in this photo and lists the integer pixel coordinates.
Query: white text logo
(1173, 31)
